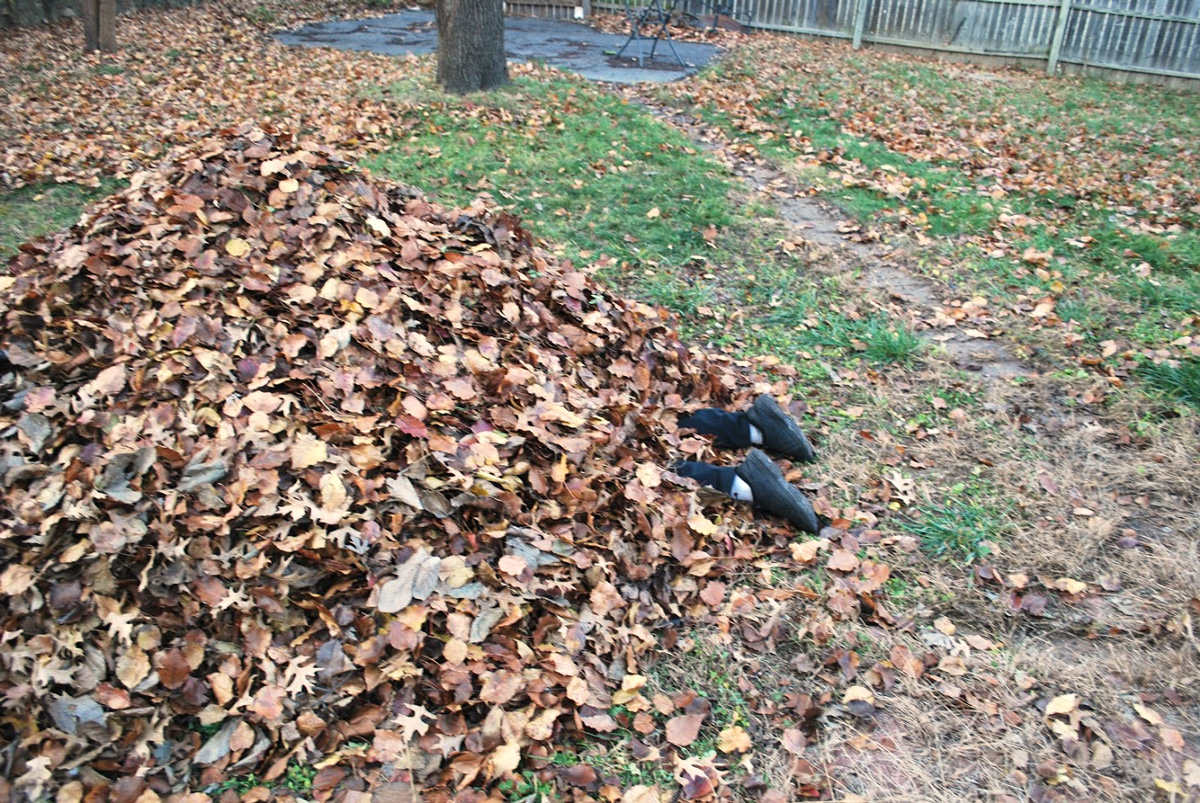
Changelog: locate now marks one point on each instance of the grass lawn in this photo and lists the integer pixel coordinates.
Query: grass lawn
(1041, 532)
(1078, 191)
(604, 182)
(30, 212)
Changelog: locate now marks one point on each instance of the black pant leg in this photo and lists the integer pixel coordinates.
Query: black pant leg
(719, 477)
(732, 430)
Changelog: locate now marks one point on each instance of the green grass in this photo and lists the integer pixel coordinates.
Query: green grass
(1180, 382)
(831, 335)
(603, 181)
(1125, 264)
(582, 167)
(526, 787)
(30, 212)
(957, 530)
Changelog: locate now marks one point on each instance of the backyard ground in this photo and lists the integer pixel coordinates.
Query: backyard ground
(980, 290)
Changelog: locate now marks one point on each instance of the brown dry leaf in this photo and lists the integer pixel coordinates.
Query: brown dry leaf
(713, 593)
(953, 665)
(1102, 755)
(794, 741)
(268, 703)
(642, 794)
(333, 493)
(684, 729)
(173, 668)
(577, 691)
(1063, 704)
(15, 579)
(1070, 586)
(700, 524)
(237, 247)
(133, 666)
(1172, 739)
(650, 475)
(506, 758)
(500, 686)
(599, 721)
(734, 739)
(110, 381)
(541, 727)
(307, 451)
(979, 642)
(805, 551)
(1149, 714)
(855, 693)
(843, 560)
(644, 724)
(455, 651)
(513, 565)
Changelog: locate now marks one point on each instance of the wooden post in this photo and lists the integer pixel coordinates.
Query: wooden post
(861, 9)
(1060, 33)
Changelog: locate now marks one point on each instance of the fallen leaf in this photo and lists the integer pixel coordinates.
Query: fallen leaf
(733, 739)
(1148, 714)
(237, 247)
(506, 758)
(1063, 704)
(843, 560)
(684, 729)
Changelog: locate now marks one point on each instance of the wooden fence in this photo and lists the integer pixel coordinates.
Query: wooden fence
(1155, 37)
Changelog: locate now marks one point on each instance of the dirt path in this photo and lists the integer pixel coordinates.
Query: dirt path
(819, 225)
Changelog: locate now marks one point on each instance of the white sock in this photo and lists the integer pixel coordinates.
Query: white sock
(755, 436)
(741, 491)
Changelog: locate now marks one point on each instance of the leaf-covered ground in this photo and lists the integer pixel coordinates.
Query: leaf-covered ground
(1001, 607)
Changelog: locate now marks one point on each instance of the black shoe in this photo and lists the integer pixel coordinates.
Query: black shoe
(774, 494)
(781, 434)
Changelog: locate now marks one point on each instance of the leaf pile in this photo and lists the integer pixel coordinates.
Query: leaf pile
(295, 464)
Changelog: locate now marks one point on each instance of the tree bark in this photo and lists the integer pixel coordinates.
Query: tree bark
(100, 25)
(470, 47)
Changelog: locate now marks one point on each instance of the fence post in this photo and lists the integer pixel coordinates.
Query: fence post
(1060, 33)
(860, 21)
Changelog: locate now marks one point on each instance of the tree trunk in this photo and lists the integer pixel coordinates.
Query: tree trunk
(470, 46)
(100, 25)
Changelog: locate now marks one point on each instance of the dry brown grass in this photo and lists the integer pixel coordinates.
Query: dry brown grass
(1130, 644)
(1072, 481)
